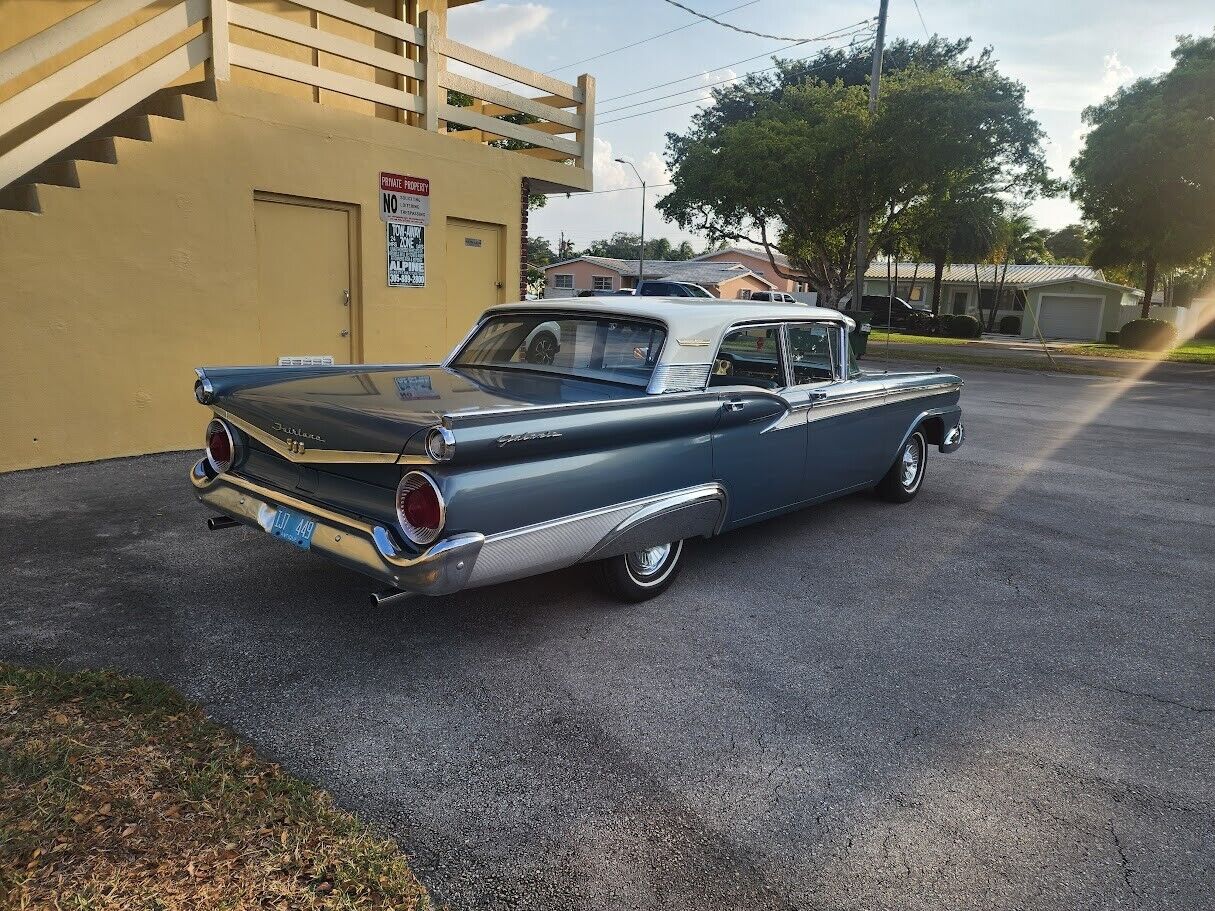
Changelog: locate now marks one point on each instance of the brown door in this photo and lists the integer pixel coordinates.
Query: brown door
(474, 273)
(304, 278)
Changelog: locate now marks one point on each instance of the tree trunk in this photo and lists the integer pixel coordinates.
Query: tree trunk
(938, 275)
(1149, 287)
(978, 294)
(991, 322)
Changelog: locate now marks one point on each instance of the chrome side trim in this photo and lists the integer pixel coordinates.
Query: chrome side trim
(557, 543)
(441, 569)
(320, 456)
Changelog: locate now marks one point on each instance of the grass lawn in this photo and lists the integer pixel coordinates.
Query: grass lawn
(880, 336)
(1195, 351)
(118, 793)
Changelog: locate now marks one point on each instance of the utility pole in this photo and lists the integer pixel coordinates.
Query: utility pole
(862, 224)
(641, 252)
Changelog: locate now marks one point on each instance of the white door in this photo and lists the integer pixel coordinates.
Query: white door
(1070, 317)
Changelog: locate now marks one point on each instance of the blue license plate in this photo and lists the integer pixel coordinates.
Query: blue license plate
(294, 527)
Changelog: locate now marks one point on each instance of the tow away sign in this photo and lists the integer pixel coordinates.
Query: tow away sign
(404, 200)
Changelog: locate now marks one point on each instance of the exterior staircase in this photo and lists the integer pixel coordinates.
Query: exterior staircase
(104, 146)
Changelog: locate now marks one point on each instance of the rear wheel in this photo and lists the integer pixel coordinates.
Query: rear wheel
(902, 481)
(642, 574)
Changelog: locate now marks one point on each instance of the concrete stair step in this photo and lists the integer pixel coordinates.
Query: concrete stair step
(55, 173)
(129, 126)
(100, 149)
(20, 197)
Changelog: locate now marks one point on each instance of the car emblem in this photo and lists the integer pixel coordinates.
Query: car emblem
(524, 437)
(295, 438)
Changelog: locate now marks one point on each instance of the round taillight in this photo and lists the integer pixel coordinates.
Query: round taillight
(420, 510)
(221, 446)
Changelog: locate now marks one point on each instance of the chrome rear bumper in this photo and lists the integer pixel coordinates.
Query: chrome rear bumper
(953, 439)
(441, 569)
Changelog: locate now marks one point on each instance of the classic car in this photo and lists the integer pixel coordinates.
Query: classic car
(654, 421)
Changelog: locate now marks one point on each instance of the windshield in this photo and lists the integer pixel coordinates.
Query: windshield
(697, 291)
(589, 347)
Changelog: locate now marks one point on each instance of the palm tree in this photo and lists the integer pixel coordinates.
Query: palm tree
(953, 227)
(1019, 242)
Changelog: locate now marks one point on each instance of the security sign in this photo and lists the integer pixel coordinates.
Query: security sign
(404, 200)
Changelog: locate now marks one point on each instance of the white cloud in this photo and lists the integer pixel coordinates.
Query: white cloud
(494, 27)
(1117, 74)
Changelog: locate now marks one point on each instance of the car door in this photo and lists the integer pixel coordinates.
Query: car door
(848, 440)
(759, 447)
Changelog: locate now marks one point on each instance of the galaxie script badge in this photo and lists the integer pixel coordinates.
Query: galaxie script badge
(524, 437)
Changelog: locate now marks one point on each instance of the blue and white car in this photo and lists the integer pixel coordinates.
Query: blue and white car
(648, 422)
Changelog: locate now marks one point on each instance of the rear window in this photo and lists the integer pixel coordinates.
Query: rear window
(589, 347)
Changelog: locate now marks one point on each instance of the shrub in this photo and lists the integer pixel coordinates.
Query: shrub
(961, 325)
(1010, 325)
(1147, 335)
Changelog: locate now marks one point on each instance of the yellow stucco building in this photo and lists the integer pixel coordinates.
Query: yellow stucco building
(208, 182)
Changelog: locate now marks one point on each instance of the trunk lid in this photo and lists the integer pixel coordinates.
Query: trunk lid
(378, 409)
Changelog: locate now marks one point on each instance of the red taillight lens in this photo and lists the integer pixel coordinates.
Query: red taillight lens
(221, 447)
(419, 508)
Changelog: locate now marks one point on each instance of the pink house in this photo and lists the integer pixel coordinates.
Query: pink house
(757, 261)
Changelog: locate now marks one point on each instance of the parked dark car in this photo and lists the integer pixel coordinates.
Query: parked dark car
(563, 432)
(896, 313)
(670, 289)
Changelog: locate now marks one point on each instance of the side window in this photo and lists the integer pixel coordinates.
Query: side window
(811, 350)
(750, 357)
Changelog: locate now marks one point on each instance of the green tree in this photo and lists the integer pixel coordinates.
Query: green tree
(787, 160)
(624, 245)
(1069, 244)
(1145, 178)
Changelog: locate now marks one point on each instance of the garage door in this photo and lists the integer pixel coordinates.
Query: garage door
(1070, 317)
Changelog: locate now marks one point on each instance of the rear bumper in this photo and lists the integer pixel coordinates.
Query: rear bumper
(441, 569)
(953, 438)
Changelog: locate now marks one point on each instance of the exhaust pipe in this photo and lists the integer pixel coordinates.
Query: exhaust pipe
(215, 523)
(389, 597)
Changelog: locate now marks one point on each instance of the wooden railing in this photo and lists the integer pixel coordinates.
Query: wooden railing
(41, 119)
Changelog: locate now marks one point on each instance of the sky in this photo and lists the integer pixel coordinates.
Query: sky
(1068, 53)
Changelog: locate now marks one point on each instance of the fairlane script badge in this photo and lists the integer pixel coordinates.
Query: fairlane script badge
(524, 437)
(297, 433)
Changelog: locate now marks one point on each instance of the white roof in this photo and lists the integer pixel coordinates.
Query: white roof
(694, 324)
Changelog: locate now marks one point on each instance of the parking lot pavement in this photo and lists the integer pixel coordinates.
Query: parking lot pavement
(1001, 695)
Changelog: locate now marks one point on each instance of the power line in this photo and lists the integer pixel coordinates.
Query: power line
(625, 47)
(701, 88)
(843, 30)
(916, 3)
(735, 28)
(677, 104)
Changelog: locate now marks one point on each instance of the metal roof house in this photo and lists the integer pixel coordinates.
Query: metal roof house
(603, 275)
(1064, 301)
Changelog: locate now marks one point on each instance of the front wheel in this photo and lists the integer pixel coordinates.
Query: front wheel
(902, 481)
(642, 574)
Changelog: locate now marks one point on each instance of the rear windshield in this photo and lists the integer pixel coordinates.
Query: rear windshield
(590, 347)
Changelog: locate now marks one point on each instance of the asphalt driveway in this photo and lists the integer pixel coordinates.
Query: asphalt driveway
(999, 696)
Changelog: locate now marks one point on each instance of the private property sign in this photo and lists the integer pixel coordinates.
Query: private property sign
(404, 200)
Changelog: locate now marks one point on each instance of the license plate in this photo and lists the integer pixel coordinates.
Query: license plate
(294, 527)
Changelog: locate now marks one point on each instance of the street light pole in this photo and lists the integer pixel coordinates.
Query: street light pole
(862, 226)
(641, 252)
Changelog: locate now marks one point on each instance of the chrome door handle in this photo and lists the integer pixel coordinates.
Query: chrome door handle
(346, 297)
(817, 395)
(734, 405)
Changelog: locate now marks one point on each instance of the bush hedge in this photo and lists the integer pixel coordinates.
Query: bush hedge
(1148, 335)
(961, 325)
(1010, 325)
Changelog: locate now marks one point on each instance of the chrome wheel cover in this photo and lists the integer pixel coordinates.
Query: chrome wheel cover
(911, 462)
(646, 562)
